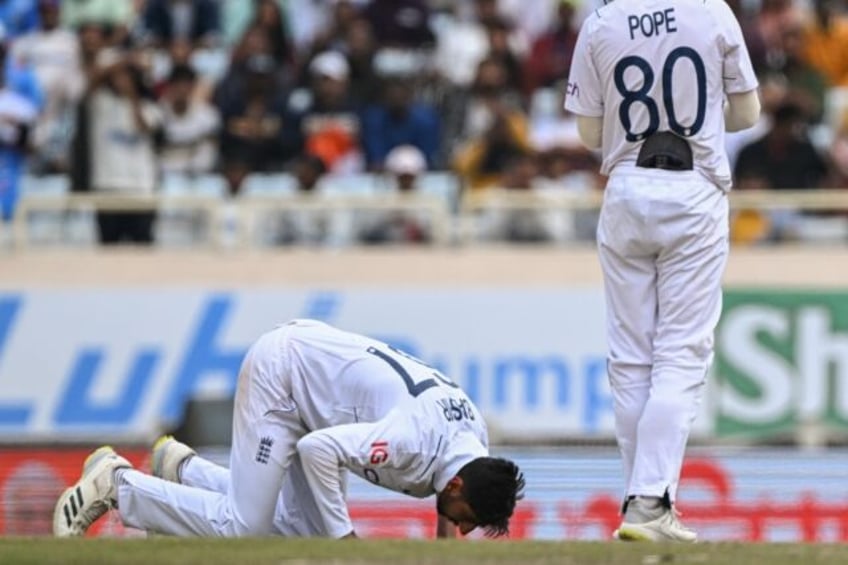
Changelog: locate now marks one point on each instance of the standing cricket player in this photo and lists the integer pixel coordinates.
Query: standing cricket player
(654, 85)
(312, 402)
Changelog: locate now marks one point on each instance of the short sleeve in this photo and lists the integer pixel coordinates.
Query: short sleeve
(584, 93)
(737, 69)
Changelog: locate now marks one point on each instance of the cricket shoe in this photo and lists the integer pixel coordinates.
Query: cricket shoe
(92, 496)
(168, 456)
(653, 524)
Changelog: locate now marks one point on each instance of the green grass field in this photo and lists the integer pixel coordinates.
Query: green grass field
(167, 551)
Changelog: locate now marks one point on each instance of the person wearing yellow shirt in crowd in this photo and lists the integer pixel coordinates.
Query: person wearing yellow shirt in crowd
(826, 41)
(482, 160)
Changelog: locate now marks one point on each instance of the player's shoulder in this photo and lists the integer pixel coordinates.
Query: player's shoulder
(608, 19)
(612, 8)
(718, 8)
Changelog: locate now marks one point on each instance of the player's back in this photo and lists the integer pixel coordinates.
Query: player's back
(660, 67)
(340, 377)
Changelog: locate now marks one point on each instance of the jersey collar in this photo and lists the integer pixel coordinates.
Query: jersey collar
(459, 450)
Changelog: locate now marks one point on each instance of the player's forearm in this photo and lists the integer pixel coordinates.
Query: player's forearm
(590, 130)
(322, 466)
(445, 528)
(741, 111)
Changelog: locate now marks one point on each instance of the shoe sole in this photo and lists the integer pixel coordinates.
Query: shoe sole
(631, 535)
(628, 534)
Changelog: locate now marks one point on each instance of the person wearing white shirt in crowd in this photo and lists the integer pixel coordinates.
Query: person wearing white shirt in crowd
(53, 53)
(123, 126)
(190, 126)
(461, 43)
(312, 403)
(404, 166)
(311, 18)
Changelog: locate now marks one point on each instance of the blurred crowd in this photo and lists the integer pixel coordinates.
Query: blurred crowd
(117, 93)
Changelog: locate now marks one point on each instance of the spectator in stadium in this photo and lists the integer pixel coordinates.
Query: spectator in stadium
(92, 42)
(195, 21)
(522, 225)
(494, 128)
(269, 16)
(500, 48)
(792, 76)
(533, 19)
(838, 155)
(209, 68)
(28, 496)
(751, 32)
(252, 100)
(308, 171)
(550, 56)
(462, 42)
(551, 125)
(360, 47)
(17, 118)
(19, 17)
(467, 114)
(400, 23)
(399, 120)
(575, 170)
(564, 162)
(236, 16)
(256, 40)
(18, 74)
(826, 41)
(53, 54)
(403, 166)
(124, 124)
(116, 17)
(306, 227)
(190, 126)
(334, 30)
(312, 20)
(329, 124)
(784, 159)
(559, 163)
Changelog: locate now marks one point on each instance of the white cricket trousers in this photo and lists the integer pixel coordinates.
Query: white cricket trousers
(663, 245)
(241, 501)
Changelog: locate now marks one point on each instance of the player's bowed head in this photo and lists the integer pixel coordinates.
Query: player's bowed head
(482, 494)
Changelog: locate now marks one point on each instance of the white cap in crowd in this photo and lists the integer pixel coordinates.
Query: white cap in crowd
(331, 64)
(406, 160)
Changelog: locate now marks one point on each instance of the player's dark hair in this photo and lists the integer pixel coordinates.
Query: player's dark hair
(491, 486)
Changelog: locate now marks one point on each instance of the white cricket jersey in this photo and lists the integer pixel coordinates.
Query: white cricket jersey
(416, 449)
(660, 65)
(334, 377)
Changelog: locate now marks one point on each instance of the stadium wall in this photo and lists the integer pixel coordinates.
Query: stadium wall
(773, 267)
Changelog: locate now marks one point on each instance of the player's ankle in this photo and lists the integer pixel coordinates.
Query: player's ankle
(649, 502)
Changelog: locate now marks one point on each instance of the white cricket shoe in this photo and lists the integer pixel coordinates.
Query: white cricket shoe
(653, 524)
(92, 496)
(167, 456)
